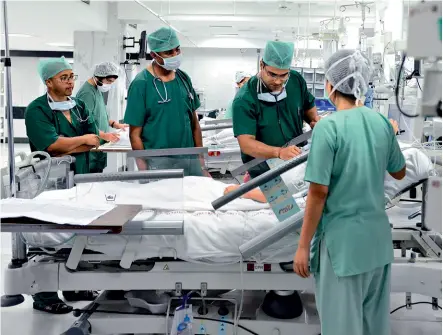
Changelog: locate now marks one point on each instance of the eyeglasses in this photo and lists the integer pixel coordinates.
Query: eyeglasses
(66, 78)
(275, 75)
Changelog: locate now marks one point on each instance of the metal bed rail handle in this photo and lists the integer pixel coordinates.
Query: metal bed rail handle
(129, 176)
(216, 127)
(166, 152)
(155, 227)
(260, 180)
(269, 237)
(217, 122)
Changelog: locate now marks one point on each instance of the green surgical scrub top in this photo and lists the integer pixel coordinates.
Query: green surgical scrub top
(44, 126)
(271, 123)
(351, 151)
(165, 125)
(95, 103)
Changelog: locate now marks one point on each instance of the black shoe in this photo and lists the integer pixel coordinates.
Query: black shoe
(52, 307)
(80, 295)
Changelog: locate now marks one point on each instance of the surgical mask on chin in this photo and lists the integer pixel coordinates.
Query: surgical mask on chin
(171, 63)
(104, 88)
(271, 97)
(61, 105)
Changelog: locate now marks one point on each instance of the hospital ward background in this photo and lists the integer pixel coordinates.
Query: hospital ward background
(161, 162)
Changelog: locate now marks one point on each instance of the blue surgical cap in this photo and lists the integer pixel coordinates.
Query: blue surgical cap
(163, 39)
(279, 54)
(48, 68)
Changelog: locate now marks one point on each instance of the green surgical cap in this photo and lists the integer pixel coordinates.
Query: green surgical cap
(48, 68)
(163, 39)
(279, 54)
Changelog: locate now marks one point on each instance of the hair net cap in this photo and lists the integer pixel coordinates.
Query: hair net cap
(48, 68)
(349, 72)
(279, 54)
(240, 75)
(163, 39)
(106, 69)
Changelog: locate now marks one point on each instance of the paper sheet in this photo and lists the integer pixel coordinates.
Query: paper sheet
(59, 212)
(124, 139)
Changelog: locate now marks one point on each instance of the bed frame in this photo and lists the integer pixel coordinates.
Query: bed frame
(417, 272)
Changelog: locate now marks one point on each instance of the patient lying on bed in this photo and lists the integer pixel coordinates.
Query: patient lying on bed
(418, 167)
(196, 193)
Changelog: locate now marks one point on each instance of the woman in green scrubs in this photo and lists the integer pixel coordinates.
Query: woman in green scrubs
(270, 109)
(60, 125)
(161, 106)
(91, 93)
(351, 252)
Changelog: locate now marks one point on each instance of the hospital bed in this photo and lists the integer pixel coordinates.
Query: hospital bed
(239, 247)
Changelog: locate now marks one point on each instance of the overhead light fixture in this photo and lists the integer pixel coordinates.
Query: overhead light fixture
(18, 35)
(225, 35)
(61, 44)
(220, 26)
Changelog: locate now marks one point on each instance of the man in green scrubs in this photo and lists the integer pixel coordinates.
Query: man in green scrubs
(351, 253)
(91, 93)
(60, 125)
(270, 109)
(161, 107)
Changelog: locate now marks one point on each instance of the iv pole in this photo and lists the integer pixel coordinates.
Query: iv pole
(7, 63)
(18, 247)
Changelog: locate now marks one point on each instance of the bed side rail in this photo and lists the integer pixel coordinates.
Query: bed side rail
(216, 127)
(39, 167)
(167, 152)
(269, 237)
(260, 180)
(217, 122)
(129, 176)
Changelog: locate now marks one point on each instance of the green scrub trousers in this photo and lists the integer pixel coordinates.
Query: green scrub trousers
(352, 305)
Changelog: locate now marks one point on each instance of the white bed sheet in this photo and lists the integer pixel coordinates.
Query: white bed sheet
(209, 235)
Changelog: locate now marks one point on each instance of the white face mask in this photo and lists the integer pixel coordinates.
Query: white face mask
(171, 63)
(61, 105)
(103, 87)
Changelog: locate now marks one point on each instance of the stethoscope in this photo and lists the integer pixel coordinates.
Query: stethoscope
(165, 99)
(260, 84)
(74, 110)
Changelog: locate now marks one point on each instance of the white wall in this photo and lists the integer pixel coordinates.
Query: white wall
(214, 70)
(26, 86)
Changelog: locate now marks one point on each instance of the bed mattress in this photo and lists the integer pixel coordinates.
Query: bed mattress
(209, 236)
